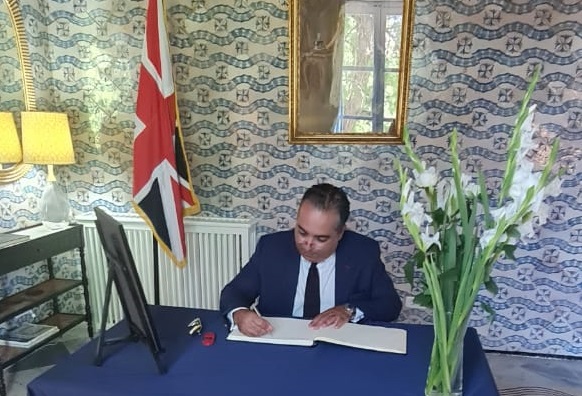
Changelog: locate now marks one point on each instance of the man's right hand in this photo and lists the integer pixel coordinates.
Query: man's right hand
(251, 324)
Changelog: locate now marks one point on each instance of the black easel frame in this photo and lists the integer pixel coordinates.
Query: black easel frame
(123, 273)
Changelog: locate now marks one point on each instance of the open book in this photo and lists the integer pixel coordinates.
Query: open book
(292, 331)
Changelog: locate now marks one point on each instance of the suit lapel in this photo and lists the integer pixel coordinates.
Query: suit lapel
(344, 271)
(289, 272)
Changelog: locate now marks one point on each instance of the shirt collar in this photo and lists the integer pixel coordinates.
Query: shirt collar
(330, 261)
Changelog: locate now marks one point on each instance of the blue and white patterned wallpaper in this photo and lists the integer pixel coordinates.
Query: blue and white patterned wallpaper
(471, 64)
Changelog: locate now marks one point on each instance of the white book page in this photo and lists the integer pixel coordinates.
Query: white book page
(292, 331)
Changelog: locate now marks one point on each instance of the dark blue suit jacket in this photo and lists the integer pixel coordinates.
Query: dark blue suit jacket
(273, 271)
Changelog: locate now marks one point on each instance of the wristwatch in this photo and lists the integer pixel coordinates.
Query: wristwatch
(350, 309)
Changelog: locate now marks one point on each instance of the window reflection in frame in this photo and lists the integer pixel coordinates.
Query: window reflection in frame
(349, 70)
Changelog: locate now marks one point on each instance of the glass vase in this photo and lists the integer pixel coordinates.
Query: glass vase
(445, 371)
(54, 207)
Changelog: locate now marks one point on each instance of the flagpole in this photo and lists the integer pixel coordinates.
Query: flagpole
(156, 271)
(155, 248)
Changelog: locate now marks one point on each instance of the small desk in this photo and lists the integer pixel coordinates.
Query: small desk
(240, 368)
(43, 244)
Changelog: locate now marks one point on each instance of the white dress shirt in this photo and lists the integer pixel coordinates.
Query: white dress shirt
(326, 270)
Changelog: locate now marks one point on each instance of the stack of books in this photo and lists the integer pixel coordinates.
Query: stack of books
(27, 335)
(8, 239)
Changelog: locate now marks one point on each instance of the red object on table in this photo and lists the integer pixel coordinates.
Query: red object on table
(208, 338)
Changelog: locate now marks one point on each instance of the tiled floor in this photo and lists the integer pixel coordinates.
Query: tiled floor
(515, 375)
(559, 375)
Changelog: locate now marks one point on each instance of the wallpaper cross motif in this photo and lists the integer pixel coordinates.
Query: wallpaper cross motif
(472, 61)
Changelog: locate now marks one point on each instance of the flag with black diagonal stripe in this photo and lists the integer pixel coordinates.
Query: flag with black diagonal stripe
(162, 187)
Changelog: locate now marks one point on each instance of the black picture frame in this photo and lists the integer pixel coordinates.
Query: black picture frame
(123, 274)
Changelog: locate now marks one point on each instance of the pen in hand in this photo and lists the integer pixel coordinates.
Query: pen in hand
(255, 310)
(264, 326)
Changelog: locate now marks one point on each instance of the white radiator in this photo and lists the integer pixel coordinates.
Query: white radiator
(217, 249)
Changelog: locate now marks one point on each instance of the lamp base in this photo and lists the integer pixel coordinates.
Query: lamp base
(55, 211)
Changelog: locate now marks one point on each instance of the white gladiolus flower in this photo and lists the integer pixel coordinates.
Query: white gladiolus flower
(498, 214)
(553, 188)
(523, 179)
(429, 240)
(526, 229)
(469, 188)
(406, 190)
(542, 213)
(536, 202)
(443, 194)
(486, 238)
(511, 209)
(415, 212)
(527, 145)
(527, 130)
(528, 122)
(427, 178)
(505, 212)
(512, 241)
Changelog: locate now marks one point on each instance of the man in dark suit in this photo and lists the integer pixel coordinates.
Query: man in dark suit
(319, 270)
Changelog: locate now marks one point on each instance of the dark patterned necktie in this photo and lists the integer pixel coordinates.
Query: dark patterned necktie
(311, 302)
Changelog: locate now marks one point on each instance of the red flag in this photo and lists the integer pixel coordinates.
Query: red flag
(162, 187)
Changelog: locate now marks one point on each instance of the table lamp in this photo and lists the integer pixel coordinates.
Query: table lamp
(10, 150)
(46, 140)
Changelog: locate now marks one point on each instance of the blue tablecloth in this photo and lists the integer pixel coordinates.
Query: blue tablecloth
(240, 368)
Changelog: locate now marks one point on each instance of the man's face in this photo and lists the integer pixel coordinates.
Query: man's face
(316, 232)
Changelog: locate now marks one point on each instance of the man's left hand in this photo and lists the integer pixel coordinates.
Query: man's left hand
(336, 317)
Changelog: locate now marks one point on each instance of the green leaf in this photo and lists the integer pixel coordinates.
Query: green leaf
(450, 268)
(512, 232)
(401, 175)
(416, 162)
(449, 248)
(409, 271)
(424, 300)
(415, 261)
(450, 275)
(485, 201)
(548, 167)
(509, 251)
(487, 308)
(438, 216)
(491, 286)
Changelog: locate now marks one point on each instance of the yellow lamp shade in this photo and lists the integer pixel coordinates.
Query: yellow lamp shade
(46, 138)
(10, 150)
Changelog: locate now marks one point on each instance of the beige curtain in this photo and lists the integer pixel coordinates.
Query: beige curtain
(321, 28)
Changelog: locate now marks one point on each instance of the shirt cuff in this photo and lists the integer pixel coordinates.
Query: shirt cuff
(359, 315)
(231, 319)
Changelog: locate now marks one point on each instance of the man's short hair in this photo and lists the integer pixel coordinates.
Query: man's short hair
(325, 197)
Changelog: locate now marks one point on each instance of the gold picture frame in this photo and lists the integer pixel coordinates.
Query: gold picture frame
(13, 172)
(321, 32)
